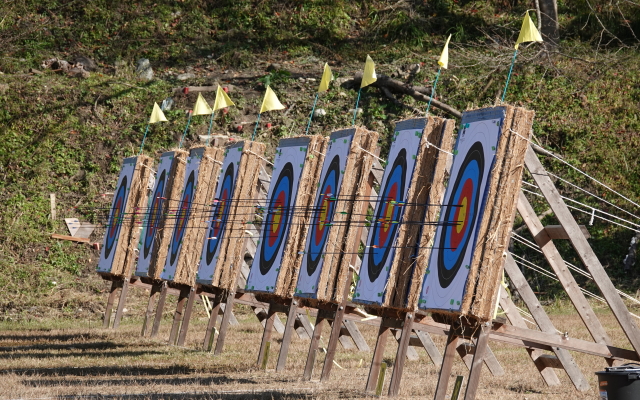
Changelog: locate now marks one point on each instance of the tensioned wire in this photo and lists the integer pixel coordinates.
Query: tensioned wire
(572, 267)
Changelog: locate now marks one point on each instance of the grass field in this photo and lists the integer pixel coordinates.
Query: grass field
(68, 358)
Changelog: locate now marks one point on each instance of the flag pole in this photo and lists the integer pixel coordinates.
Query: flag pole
(144, 137)
(311, 115)
(210, 124)
(256, 128)
(355, 111)
(513, 61)
(433, 92)
(186, 129)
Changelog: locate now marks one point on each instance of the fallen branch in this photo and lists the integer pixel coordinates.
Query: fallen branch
(398, 87)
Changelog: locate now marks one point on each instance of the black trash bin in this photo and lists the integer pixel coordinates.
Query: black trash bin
(620, 383)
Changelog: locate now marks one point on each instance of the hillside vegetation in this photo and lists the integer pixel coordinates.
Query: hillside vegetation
(67, 136)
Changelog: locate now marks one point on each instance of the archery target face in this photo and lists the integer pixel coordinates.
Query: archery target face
(383, 232)
(462, 211)
(324, 210)
(281, 200)
(219, 217)
(117, 215)
(180, 217)
(153, 214)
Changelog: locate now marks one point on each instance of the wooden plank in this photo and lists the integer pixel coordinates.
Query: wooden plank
(224, 324)
(548, 361)
(447, 365)
(411, 353)
(286, 339)
(543, 321)
(52, 199)
(555, 260)
(466, 352)
(482, 344)
(401, 355)
(378, 355)
(71, 238)
(159, 309)
(121, 303)
(177, 316)
(262, 315)
(548, 375)
(187, 316)
(345, 339)
(211, 325)
(558, 232)
(429, 346)
(266, 337)
(356, 335)
(583, 249)
(313, 348)
(155, 291)
(109, 307)
(233, 321)
(306, 326)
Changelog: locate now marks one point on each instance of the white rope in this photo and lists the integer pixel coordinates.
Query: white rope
(373, 155)
(577, 169)
(589, 212)
(591, 194)
(262, 158)
(429, 144)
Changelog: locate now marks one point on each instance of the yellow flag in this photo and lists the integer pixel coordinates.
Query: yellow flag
(157, 115)
(201, 107)
(528, 32)
(270, 102)
(327, 77)
(222, 100)
(369, 75)
(444, 57)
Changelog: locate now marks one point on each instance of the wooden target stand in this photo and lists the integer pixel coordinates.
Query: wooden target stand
(546, 348)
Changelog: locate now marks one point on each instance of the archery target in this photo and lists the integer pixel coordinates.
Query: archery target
(117, 215)
(221, 205)
(380, 251)
(462, 212)
(277, 214)
(153, 215)
(180, 217)
(324, 209)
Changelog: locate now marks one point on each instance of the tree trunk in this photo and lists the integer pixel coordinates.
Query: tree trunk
(549, 22)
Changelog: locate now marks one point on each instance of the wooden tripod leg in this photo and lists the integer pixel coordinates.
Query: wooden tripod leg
(159, 309)
(543, 321)
(430, 347)
(187, 316)
(224, 324)
(356, 335)
(401, 355)
(155, 289)
(266, 335)
(378, 354)
(447, 364)
(110, 300)
(177, 316)
(121, 302)
(313, 347)
(478, 360)
(336, 328)
(513, 315)
(286, 339)
(211, 326)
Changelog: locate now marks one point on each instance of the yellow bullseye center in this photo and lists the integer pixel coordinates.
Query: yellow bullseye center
(323, 214)
(462, 215)
(276, 220)
(387, 218)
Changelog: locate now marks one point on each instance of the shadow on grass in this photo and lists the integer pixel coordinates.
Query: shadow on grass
(230, 395)
(193, 380)
(51, 338)
(103, 371)
(84, 354)
(70, 346)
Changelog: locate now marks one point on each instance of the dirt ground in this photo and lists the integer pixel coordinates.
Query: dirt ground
(79, 359)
